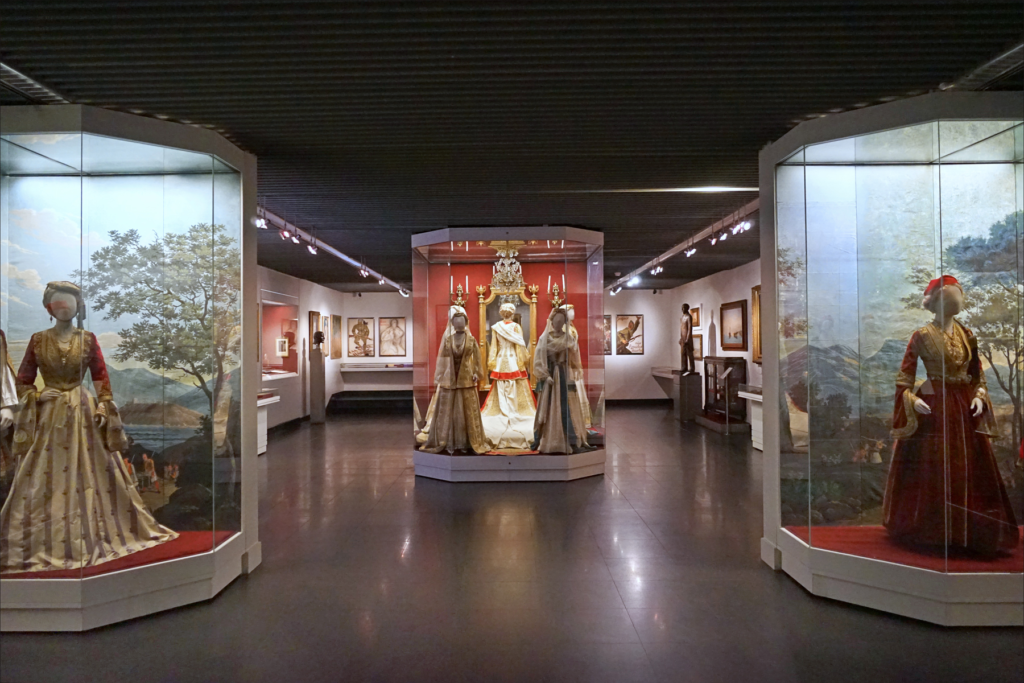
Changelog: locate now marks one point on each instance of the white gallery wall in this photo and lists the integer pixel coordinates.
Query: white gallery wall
(308, 296)
(710, 293)
(629, 377)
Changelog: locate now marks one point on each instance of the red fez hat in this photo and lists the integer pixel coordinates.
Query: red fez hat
(941, 282)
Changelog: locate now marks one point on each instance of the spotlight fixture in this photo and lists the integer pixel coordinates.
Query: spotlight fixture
(285, 234)
(363, 271)
(616, 290)
(724, 236)
(740, 227)
(634, 281)
(714, 240)
(404, 293)
(690, 252)
(296, 240)
(312, 248)
(261, 223)
(657, 270)
(381, 281)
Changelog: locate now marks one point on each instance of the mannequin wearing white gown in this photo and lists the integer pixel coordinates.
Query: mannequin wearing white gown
(509, 409)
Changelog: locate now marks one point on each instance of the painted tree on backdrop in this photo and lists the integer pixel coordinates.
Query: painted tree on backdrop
(989, 269)
(186, 288)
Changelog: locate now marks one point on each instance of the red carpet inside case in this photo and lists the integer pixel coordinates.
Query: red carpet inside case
(874, 542)
(187, 543)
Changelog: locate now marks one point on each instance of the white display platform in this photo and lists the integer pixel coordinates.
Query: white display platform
(755, 410)
(940, 598)
(261, 422)
(82, 604)
(508, 468)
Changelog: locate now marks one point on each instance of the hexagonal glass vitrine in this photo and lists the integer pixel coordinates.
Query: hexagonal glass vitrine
(122, 319)
(510, 340)
(899, 301)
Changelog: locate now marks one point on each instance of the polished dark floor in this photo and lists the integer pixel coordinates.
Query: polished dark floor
(650, 573)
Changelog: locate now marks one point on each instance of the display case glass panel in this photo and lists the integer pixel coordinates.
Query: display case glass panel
(126, 438)
(534, 309)
(900, 424)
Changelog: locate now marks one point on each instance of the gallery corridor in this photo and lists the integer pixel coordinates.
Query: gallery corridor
(650, 573)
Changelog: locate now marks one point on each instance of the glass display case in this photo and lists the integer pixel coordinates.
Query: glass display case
(897, 263)
(121, 280)
(508, 353)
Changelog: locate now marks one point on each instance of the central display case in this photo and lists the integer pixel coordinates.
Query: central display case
(508, 354)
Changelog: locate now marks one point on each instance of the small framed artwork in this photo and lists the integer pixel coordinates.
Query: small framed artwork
(282, 347)
(337, 337)
(607, 332)
(755, 322)
(325, 322)
(314, 326)
(734, 326)
(695, 315)
(698, 347)
(360, 338)
(391, 336)
(629, 335)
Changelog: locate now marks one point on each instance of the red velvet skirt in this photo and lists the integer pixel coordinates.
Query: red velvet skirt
(944, 485)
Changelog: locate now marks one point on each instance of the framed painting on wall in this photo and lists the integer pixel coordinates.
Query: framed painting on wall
(629, 335)
(755, 322)
(337, 337)
(698, 347)
(695, 315)
(360, 338)
(734, 326)
(314, 326)
(607, 332)
(392, 336)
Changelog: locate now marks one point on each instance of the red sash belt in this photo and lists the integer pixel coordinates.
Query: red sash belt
(518, 374)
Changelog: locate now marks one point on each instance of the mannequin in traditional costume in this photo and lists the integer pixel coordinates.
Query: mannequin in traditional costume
(576, 367)
(8, 404)
(423, 433)
(509, 410)
(944, 487)
(559, 427)
(71, 503)
(456, 424)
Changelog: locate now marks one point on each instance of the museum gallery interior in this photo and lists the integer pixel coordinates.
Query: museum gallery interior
(436, 341)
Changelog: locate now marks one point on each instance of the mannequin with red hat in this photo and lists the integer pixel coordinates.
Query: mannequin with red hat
(944, 487)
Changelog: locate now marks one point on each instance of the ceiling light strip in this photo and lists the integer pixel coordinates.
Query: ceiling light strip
(282, 224)
(734, 217)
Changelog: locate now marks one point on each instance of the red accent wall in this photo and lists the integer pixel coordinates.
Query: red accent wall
(443, 279)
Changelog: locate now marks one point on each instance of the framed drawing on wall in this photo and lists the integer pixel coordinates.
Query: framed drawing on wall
(695, 315)
(698, 347)
(629, 335)
(607, 332)
(282, 347)
(360, 338)
(314, 326)
(734, 326)
(392, 336)
(337, 337)
(755, 322)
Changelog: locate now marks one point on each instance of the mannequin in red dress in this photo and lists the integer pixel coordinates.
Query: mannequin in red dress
(944, 486)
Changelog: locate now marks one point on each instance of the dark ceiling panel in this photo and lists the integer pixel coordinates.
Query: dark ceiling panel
(374, 121)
